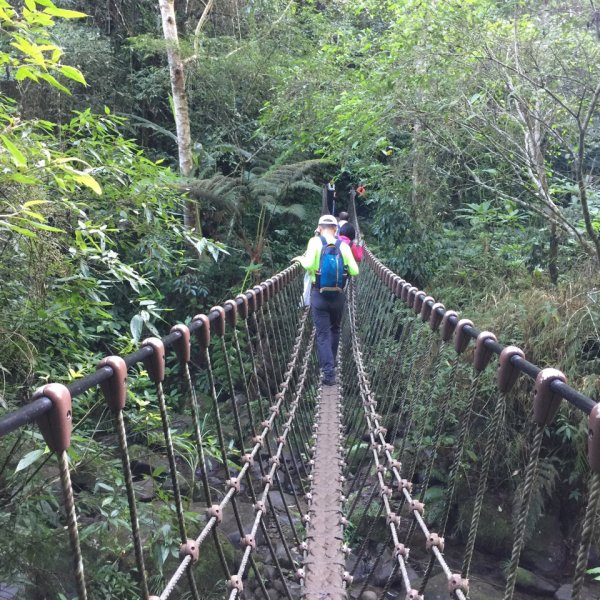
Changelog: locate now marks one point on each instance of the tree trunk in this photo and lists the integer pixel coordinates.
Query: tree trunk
(583, 199)
(417, 171)
(553, 254)
(191, 216)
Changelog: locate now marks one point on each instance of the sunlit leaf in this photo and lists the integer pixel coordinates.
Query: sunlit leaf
(17, 156)
(63, 13)
(17, 229)
(29, 459)
(73, 73)
(54, 82)
(136, 326)
(89, 182)
(31, 203)
(45, 227)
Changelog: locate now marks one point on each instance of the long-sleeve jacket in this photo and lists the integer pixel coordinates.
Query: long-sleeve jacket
(311, 258)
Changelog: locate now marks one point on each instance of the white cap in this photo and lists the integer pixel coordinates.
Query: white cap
(328, 220)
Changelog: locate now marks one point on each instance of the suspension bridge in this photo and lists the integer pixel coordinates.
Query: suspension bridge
(322, 483)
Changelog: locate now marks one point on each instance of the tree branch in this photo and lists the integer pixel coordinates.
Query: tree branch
(198, 30)
(275, 23)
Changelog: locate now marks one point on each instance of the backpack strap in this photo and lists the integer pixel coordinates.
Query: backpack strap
(338, 245)
(323, 240)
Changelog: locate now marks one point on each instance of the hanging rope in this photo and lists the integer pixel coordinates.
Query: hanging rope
(379, 446)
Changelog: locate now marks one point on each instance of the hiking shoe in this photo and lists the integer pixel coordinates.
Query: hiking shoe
(328, 381)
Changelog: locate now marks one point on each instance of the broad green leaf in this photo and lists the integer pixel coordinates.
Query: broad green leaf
(29, 49)
(73, 73)
(34, 215)
(152, 329)
(54, 82)
(25, 72)
(17, 156)
(68, 159)
(29, 459)
(63, 13)
(31, 203)
(136, 325)
(37, 18)
(45, 227)
(89, 182)
(25, 179)
(18, 229)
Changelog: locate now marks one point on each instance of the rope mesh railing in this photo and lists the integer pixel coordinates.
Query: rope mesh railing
(417, 353)
(380, 448)
(277, 395)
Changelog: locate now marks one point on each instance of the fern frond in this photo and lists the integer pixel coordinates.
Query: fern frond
(219, 191)
(305, 185)
(294, 210)
(544, 485)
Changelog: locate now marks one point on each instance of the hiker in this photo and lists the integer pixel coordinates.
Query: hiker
(329, 261)
(347, 234)
(331, 195)
(342, 220)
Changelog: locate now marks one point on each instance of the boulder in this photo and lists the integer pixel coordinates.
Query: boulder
(295, 589)
(564, 593)
(208, 570)
(10, 592)
(278, 502)
(229, 526)
(546, 552)
(386, 566)
(534, 584)
(283, 557)
(437, 589)
(495, 527)
(145, 490)
(273, 594)
(145, 463)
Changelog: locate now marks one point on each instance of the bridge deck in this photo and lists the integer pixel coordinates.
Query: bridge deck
(324, 565)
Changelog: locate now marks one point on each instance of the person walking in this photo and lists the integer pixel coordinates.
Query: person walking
(342, 219)
(329, 262)
(347, 234)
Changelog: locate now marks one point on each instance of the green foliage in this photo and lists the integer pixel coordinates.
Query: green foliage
(34, 54)
(595, 571)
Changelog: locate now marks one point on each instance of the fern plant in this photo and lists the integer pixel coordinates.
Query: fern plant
(266, 186)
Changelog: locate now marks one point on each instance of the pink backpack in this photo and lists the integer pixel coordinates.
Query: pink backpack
(357, 251)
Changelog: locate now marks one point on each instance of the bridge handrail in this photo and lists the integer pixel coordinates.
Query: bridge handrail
(39, 407)
(564, 390)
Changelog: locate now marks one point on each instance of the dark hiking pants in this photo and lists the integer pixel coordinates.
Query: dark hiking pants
(327, 316)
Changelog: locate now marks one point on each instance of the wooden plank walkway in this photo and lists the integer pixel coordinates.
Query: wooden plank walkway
(324, 564)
